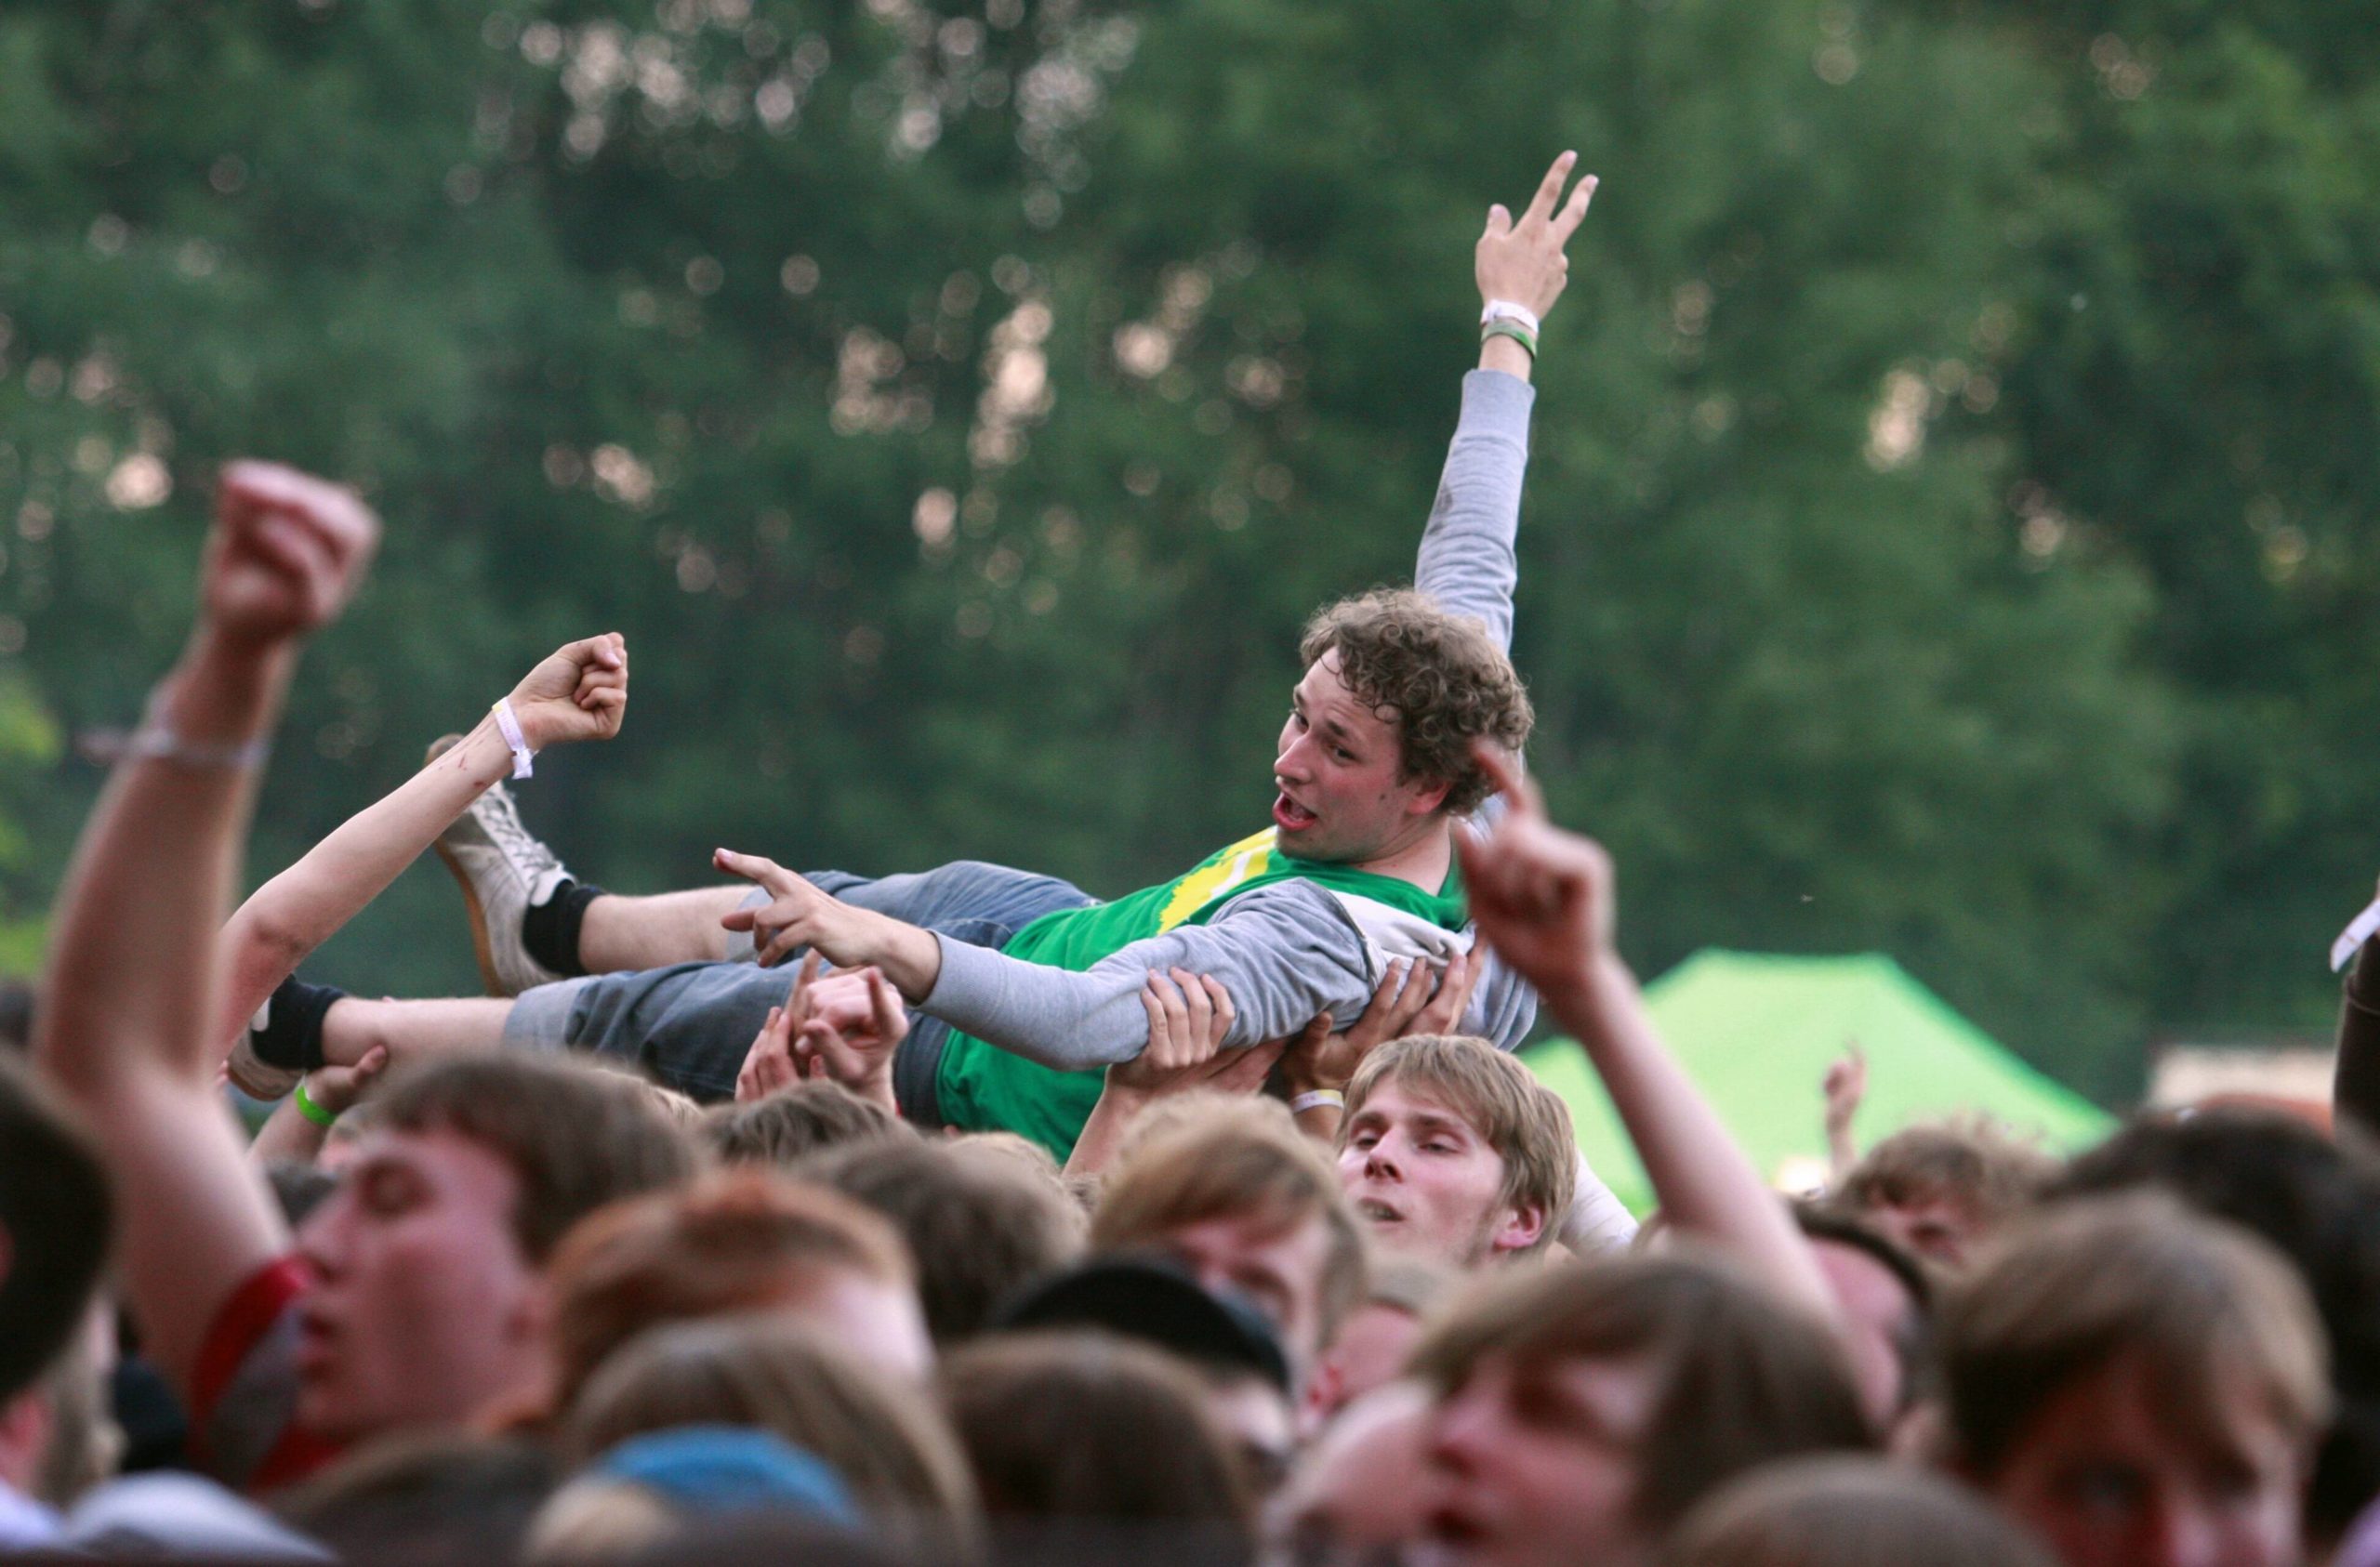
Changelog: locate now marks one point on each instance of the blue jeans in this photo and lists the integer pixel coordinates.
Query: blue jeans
(690, 1025)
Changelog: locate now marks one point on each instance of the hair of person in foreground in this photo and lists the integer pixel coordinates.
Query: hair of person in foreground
(1080, 1426)
(1727, 1377)
(980, 1221)
(736, 1241)
(2122, 1368)
(56, 1217)
(1240, 1164)
(794, 1123)
(1842, 1511)
(2316, 1200)
(892, 1448)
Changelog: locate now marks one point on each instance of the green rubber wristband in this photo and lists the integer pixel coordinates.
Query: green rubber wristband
(1512, 329)
(312, 1111)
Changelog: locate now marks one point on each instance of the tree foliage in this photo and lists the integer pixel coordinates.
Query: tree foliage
(1944, 531)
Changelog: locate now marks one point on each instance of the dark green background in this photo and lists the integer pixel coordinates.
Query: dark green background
(1950, 530)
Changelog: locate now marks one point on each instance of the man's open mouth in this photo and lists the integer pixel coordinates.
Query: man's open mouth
(1290, 816)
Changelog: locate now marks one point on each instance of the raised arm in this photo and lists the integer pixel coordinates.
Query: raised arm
(1543, 898)
(1467, 562)
(578, 692)
(125, 1024)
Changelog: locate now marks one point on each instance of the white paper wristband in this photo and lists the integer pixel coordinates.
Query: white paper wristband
(524, 759)
(1318, 1099)
(1505, 310)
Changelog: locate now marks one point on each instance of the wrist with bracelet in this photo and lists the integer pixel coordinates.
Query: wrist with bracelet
(1502, 318)
(313, 1110)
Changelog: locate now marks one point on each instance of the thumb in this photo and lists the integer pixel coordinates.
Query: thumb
(373, 1063)
(1499, 221)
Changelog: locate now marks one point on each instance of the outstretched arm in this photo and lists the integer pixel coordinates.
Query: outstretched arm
(1543, 898)
(1467, 563)
(578, 692)
(125, 1025)
(1283, 952)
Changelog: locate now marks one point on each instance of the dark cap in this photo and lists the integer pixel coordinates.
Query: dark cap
(1151, 1301)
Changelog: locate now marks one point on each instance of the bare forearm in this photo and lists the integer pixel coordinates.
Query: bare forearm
(302, 907)
(1103, 1134)
(134, 946)
(287, 1137)
(1700, 1176)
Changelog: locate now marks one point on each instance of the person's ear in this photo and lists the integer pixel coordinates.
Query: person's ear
(1520, 1228)
(1428, 800)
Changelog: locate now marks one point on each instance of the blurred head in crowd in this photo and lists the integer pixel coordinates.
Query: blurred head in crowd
(1581, 1410)
(1379, 1335)
(429, 1299)
(1242, 1370)
(2139, 1386)
(665, 1486)
(1451, 1150)
(1846, 1512)
(1887, 1301)
(980, 1221)
(56, 1220)
(1937, 1190)
(1377, 748)
(1089, 1425)
(1243, 1202)
(2318, 1201)
(794, 1123)
(892, 1450)
(431, 1496)
(734, 1242)
(59, 1437)
(1361, 1488)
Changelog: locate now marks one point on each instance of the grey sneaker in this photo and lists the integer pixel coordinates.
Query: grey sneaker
(502, 869)
(251, 1074)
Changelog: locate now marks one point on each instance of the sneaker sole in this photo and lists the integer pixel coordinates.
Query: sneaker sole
(473, 910)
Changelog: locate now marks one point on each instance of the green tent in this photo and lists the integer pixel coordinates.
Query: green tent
(1757, 1033)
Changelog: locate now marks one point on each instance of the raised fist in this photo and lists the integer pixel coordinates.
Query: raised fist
(286, 553)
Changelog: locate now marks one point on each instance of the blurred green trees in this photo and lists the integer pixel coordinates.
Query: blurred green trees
(1946, 531)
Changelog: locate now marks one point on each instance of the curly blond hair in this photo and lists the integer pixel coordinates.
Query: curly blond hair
(1439, 677)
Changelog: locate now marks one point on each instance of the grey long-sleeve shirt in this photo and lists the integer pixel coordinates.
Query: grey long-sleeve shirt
(1288, 950)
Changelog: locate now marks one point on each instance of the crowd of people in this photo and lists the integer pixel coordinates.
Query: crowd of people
(961, 1216)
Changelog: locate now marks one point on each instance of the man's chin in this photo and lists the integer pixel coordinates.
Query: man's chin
(320, 1411)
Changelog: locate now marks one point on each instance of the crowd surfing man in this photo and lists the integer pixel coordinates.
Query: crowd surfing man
(1024, 982)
